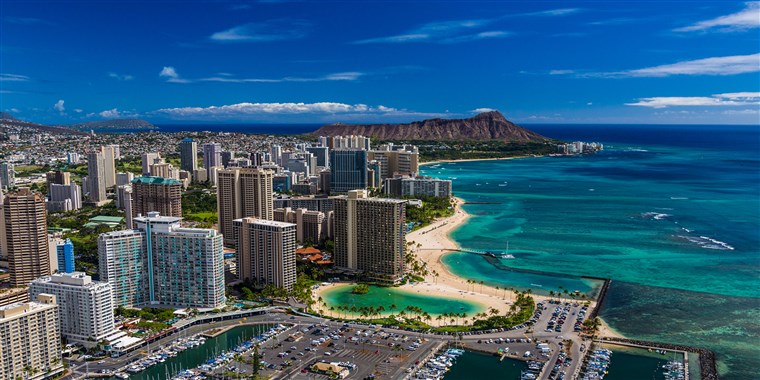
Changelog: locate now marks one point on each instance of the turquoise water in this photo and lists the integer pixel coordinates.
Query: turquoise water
(386, 297)
(629, 363)
(671, 214)
(476, 365)
(196, 356)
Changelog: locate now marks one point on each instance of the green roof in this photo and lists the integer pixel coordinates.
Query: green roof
(107, 219)
(156, 181)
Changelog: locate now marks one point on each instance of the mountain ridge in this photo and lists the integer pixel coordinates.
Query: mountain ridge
(490, 125)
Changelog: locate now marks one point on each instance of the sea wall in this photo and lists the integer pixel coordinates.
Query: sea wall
(707, 367)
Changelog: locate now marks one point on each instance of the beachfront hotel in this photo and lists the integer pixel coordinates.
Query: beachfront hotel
(243, 193)
(266, 252)
(85, 306)
(369, 235)
(161, 263)
(311, 226)
(30, 339)
(420, 186)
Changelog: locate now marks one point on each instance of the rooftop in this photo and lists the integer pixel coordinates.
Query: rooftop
(148, 180)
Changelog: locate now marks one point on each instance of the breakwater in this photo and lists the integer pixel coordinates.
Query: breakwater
(708, 369)
(600, 299)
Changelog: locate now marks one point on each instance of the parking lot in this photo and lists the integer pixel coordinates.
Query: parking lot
(363, 349)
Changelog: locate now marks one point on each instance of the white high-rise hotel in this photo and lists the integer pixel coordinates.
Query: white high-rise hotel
(160, 263)
(86, 306)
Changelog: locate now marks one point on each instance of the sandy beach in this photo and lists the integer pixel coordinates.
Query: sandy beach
(430, 244)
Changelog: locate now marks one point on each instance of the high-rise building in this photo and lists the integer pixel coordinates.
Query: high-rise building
(64, 197)
(266, 252)
(109, 160)
(25, 236)
(396, 160)
(7, 175)
(160, 263)
(420, 186)
(369, 235)
(321, 153)
(96, 178)
(121, 262)
(276, 152)
(85, 306)
(348, 170)
(310, 225)
(243, 193)
(124, 178)
(65, 254)
(57, 178)
(149, 159)
(163, 195)
(165, 170)
(30, 338)
(226, 158)
(212, 155)
(188, 154)
(72, 158)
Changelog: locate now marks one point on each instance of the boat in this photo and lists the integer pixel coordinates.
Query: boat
(121, 375)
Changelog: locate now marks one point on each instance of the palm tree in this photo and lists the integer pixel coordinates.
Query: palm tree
(551, 295)
(497, 291)
(481, 286)
(438, 318)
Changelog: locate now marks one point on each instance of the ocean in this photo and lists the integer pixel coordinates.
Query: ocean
(670, 213)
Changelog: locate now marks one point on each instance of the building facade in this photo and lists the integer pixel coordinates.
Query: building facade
(369, 235)
(85, 306)
(188, 154)
(163, 195)
(243, 193)
(64, 251)
(25, 236)
(418, 186)
(348, 170)
(66, 197)
(160, 263)
(96, 178)
(266, 252)
(30, 338)
(212, 155)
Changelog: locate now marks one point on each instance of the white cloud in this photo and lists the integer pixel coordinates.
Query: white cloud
(481, 110)
(247, 110)
(78, 110)
(721, 66)
(431, 32)
(730, 65)
(477, 36)
(13, 78)
(727, 99)
(748, 18)
(59, 106)
(124, 77)
(110, 114)
(172, 75)
(272, 30)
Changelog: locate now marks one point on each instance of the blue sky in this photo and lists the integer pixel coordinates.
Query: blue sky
(381, 61)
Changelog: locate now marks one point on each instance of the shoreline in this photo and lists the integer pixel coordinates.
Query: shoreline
(430, 244)
(426, 163)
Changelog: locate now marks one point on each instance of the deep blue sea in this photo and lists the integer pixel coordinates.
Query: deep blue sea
(670, 213)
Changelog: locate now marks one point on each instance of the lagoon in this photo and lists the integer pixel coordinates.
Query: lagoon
(387, 296)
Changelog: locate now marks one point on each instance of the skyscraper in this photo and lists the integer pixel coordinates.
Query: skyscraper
(85, 306)
(369, 235)
(64, 197)
(149, 159)
(163, 195)
(30, 338)
(160, 263)
(109, 161)
(243, 193)
(65, 253)
(57, 178)
(7, 175)
(266, 252)
(25, 236)
(321, 153)
(401, 159)
(348, 170)
(96, 178)
(212, 155)
(188, 154)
